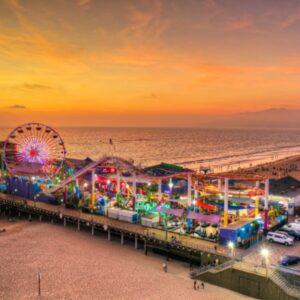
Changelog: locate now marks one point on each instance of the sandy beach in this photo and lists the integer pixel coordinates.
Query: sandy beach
(75, 265)
(288, 166)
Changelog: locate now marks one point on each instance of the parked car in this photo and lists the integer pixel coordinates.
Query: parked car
(291, 232)
(294, 226)
(281, 238)
(289, 260)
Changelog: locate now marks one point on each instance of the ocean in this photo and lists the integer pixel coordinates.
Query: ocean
(218, 149)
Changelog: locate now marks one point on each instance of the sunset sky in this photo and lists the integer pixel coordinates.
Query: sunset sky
(146, 62)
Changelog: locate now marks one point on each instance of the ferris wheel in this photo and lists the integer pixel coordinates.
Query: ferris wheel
(34, 149)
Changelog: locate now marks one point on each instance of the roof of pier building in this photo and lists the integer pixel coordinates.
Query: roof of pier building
(165, 170)
(285, 185)
(237, 175)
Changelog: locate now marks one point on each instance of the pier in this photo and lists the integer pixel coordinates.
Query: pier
(186, 248)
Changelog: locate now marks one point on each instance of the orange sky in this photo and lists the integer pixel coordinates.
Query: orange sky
(146, 62)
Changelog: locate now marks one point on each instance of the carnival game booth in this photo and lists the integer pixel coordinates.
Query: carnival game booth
(241, 232)
(173, 197)
(237, 198)
(288, 201)
(205, 226)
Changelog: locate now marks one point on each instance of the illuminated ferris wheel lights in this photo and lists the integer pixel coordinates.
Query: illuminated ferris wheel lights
(31, 144)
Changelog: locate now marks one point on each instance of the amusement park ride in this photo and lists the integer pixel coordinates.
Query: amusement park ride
(34, 165)
(34, 149)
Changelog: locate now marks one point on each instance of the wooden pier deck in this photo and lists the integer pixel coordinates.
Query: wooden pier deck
(151, 236)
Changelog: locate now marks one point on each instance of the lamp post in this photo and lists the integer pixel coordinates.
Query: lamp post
(265, 253)
(195, 207)
(231, 246)
(34, 198)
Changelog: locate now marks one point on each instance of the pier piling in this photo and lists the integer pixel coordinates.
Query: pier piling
(108, 234)
(145, 248)
(93, 229)
(122, 238)
(78, 225)
(41, 218)
(65, 222)
(136, 241)
(52, 221)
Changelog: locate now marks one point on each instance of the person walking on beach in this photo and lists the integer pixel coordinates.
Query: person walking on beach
(202, 285)
(165, 268)
(195, 284)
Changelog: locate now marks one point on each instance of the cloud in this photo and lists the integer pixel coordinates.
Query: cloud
(16, 5)
(291, 20)
(34, 86)
(243, 24)
(85, 4)
(17, 106)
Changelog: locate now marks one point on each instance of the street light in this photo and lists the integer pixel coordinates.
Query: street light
(265, 253)
(231, 247)
(194, 203)
(34, 198)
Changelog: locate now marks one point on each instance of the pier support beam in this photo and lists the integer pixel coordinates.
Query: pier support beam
(19, 214)
(65, 222)
(219, 185)
(93, 189)
(41, 217)
(122, 238)
(266, 206)
(118, 185)
(108, 234)
(195, 190)
(52, 221)
(77, 188)
(226, 202)
(29, 218)
(93, 229)
(78, 225)
(136, 241)
(134, 190)
(159, 190)
(256, 206)
(189, 199)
